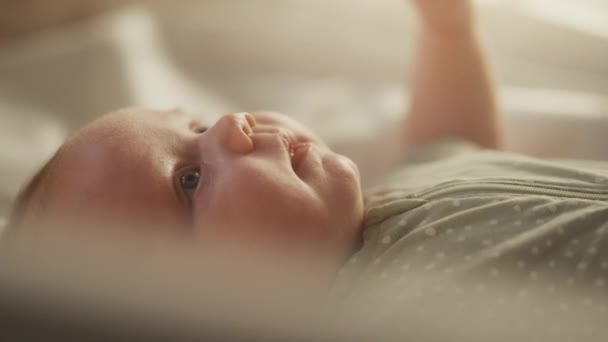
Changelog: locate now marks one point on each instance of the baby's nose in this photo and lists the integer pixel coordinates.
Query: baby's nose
(234, 132)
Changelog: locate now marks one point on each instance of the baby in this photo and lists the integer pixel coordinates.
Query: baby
(264, 179)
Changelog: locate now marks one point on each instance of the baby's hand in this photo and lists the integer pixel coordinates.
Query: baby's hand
(446, 15)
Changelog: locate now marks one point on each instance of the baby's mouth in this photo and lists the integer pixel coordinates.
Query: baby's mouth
(297, 154)
(292, 147)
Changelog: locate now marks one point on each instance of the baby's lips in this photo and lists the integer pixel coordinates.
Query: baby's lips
(298, 153)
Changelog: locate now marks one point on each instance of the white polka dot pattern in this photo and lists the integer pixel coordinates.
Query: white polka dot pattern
(509, 220)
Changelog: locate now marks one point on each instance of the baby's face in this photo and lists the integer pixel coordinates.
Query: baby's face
(248, 176)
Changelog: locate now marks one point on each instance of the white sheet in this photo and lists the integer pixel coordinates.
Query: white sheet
(338, 66)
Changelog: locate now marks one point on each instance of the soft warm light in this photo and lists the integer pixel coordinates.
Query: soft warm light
(588, 16)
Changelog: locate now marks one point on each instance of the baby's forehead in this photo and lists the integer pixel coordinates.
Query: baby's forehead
(101, 166)
(126, 142)
(114, 124)
(96, 145)
(117, 164)
(111, 148)
(132, 118)
(127, 129)
(102, 177)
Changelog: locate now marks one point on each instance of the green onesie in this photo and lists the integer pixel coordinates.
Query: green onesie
(455, 211)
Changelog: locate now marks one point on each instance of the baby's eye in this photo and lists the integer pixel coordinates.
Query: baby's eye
(201, 130)
(189, 182)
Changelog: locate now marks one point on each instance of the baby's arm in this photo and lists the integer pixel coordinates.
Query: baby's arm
(453, 94)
